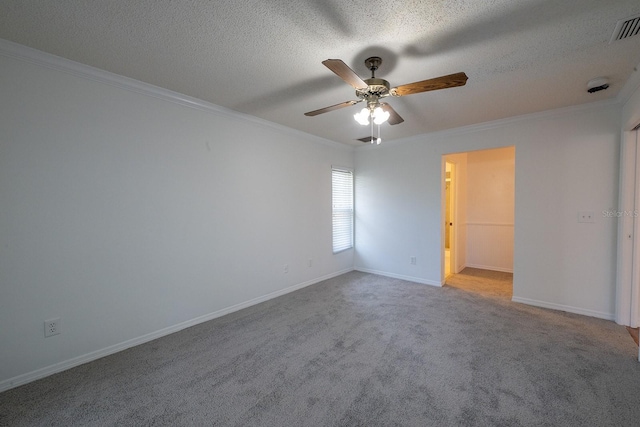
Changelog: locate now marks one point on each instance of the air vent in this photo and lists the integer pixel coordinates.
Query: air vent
(370, 140)
(626, 28)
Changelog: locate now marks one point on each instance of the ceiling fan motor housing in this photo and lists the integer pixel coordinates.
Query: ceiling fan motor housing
(376, 89)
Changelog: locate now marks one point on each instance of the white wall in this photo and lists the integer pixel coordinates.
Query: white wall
(490, 209)
(130, 216)
(566, 161)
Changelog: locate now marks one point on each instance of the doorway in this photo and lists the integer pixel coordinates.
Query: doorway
(449, 249)
(478, 218)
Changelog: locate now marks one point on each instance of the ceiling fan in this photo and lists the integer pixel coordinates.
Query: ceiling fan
(373, 89)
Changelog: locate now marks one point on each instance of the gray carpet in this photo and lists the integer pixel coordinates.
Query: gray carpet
(356, 350)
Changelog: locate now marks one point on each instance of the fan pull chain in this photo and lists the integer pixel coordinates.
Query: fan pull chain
(372, 131)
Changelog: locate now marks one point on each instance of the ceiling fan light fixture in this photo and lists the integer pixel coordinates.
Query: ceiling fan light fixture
(379, 116)
(362, 117)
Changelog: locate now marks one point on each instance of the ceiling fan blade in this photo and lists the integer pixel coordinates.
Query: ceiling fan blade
(444, 82)
(394, 117)
(343, 71)
(331, 108)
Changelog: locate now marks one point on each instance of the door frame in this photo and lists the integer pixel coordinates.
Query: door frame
(628, 259)
(453, 243)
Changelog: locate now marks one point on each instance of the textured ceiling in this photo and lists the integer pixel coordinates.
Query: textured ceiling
(264, 57)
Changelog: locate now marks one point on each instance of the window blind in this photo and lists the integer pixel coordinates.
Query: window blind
(342, 195)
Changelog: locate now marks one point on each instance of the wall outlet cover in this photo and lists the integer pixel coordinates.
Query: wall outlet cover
(52, 327)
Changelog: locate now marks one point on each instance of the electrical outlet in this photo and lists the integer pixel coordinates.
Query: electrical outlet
(586, 217)
(286, 268)
(310, 263)
(413, 260)
(52, 327)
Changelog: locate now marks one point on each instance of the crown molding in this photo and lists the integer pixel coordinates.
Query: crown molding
(27, 54)
(47, 60)
(540, 115)
(630, 87)
(479, 127)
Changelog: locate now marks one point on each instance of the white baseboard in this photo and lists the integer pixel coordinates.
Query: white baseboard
(400, 276)
(567, 308)
(490, 267)
(94, 355)
(459, 269)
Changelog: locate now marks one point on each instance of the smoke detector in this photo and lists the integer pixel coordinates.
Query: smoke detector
(597, 84)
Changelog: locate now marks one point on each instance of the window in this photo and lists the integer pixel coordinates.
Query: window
(342, 202)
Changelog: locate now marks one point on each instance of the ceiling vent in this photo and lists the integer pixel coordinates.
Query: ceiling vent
(626, 28)
(370, 140)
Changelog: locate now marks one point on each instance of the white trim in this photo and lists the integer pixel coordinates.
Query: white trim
(47, 60)
(627, 272)
(479, 127)
(567, 308)
(400, 276)
(492, 224)
(94, 355)
(524, 117)
(630, 87)
(634, 301)
(491, 267)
